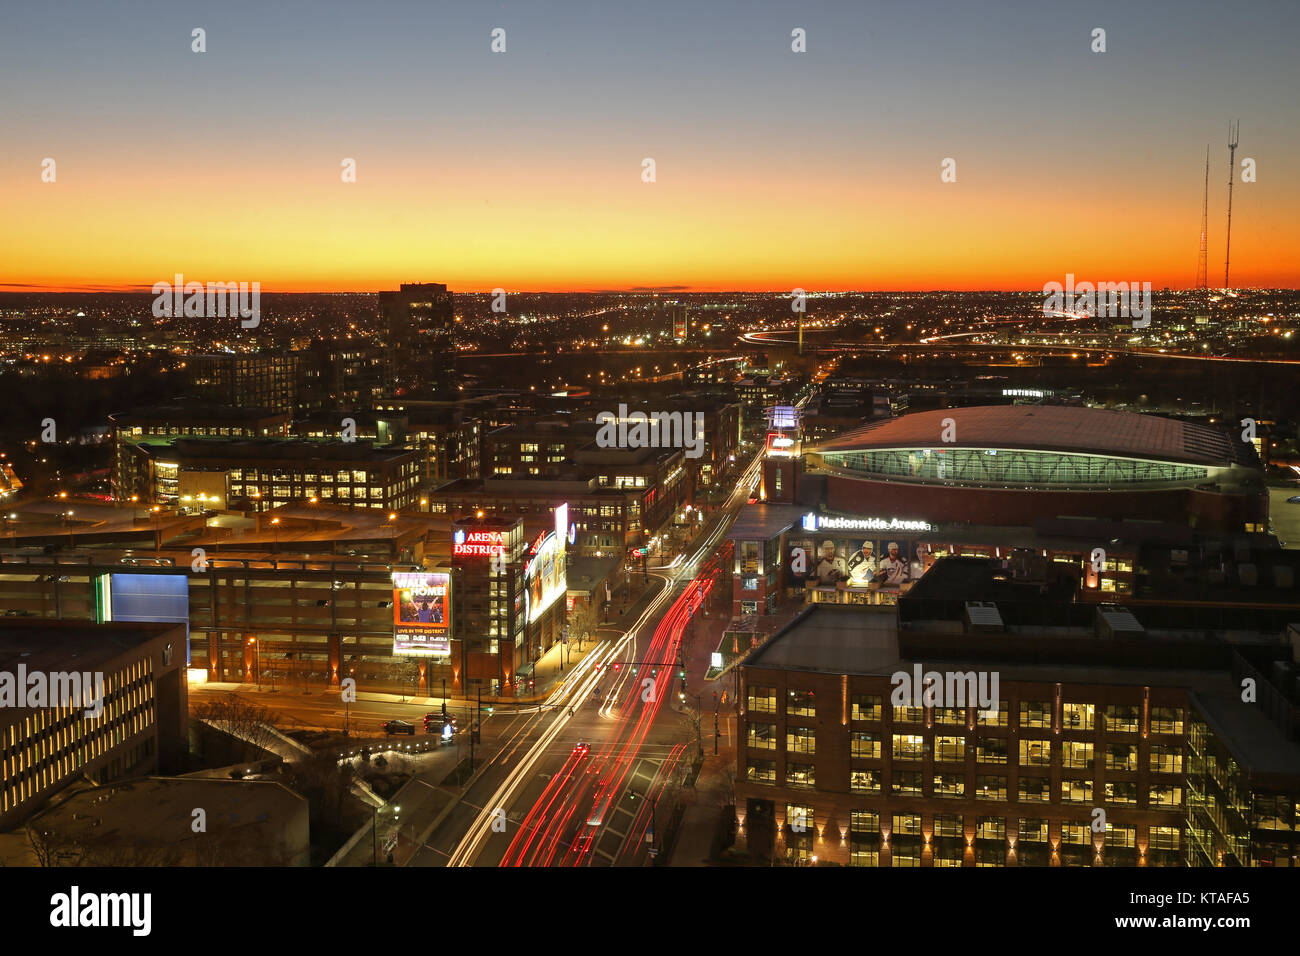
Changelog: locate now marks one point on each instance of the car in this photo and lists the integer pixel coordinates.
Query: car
(398, 727)
(582, 748)
(1293, 500)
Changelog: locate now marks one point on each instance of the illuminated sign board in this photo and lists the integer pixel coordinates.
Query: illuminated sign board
(783, 416)
(478, 543)
(544, 577)
(144, 597)
(780, 445)
(422, 613)
(812, 522)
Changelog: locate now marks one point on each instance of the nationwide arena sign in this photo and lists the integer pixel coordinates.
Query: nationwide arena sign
(422, 613)
(813, 522)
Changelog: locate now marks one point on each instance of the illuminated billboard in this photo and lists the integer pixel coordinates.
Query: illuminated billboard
(422, 613)
(144, 597)
(544, 577)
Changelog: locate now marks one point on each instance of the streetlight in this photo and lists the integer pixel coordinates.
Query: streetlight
(257, 661)
(275, 527)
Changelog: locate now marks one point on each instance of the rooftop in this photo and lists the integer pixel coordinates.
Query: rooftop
(1095, 431)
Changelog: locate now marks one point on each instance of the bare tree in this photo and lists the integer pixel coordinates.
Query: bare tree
(251, 723)
(583, 621)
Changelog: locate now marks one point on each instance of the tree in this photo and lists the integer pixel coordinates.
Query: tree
(251, 723)
(584, 619)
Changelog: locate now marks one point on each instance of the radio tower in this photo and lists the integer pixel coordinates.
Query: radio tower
(1232, 168)
(1202, 266)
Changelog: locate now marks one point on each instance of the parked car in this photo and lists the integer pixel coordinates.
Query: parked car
(398, 727)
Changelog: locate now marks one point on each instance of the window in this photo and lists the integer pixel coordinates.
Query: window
(748, 607)
(1165, 838)
(761, 771)
(950, 715)
(800, 775)
(1076, 754)
(1035, 714)
(749, 584)
(1166, 720)
(991, 750)
(1123, 793)
(864, 838)
(1165, 796)
(800, 703)
(1121, 756)
(1121, 835)
(990, 787)
(1035, 789)
(799, 818)
(950, 748)
(865, 745)
(762, 736)
(948, 825)
(800, 740)
(1271, 813)
(991, 828)
(908, 747)
(864, 781)
(865, 707)
(1076, 834)
(906, 783)
(1166, 758)
(1033, 830)
(907, 824)
(909, 715)
(1122, 718)
(1035, 753)
(762, 700)
(991, 718)
(1076, 791)
(1077, 717)
(949, 785)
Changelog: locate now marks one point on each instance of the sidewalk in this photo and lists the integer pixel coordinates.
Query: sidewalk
(703, 817)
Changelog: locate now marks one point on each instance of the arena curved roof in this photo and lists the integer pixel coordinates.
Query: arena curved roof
(1049, 428)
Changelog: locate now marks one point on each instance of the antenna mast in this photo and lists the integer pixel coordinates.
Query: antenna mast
(1232, 168)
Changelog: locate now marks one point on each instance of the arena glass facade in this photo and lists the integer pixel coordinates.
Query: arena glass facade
(1003, 467)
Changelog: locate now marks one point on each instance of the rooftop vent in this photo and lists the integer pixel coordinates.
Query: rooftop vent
(983, 616)
(1115, 621)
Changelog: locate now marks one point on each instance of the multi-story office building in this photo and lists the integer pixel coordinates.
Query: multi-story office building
(164, 424)
(263, 380)
(335, 376)
(260, 474)
(1072, 746)
(142, 718)
(616, 499)
(544, 448)
(416, 320)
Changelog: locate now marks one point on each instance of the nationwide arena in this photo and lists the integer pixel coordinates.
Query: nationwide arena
(1020, 464)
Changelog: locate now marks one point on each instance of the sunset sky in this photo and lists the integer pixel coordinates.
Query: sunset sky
(522, 170)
